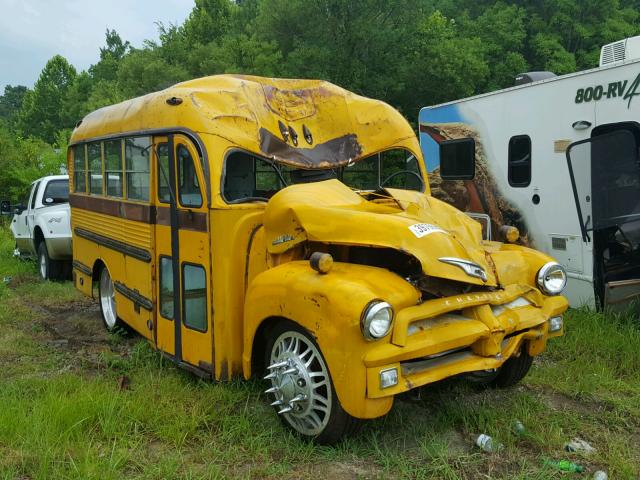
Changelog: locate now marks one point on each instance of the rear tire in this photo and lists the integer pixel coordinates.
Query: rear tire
(107, 300)
(317, 414)
(49, 269)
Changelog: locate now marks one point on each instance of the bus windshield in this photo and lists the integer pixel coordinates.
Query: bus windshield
(252, 178)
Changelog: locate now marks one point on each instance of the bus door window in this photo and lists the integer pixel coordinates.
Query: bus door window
(189, 187)
(194, 297)
(164, 189)
(166, 287)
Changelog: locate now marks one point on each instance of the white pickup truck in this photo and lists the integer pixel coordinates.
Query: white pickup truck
(41, 226)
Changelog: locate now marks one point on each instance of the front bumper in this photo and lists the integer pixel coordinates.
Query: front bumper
(449, 336)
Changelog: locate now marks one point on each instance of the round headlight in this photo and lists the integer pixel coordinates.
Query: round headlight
(552, 278)
(376, 320)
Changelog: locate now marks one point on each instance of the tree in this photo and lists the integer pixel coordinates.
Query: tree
(144, 71)
(42, 115)
(110, 57)
(208, 21)
(11, 102)
(24, 160)
(444, 65)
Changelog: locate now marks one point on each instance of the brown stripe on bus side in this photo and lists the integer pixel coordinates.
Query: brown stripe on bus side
(187, 220)
(78, 265)
(150, 214)
(113, 244)
(134, 295)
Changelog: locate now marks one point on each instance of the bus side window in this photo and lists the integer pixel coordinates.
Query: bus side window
(79, 169)
(94, 154)
(113, 167)
(189, 188)
(519, 167)
(136, 153)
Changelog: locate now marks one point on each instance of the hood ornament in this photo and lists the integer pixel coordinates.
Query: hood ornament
(470, 268)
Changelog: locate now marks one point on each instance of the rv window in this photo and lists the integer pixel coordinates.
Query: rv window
(458, 159)
(519, 169)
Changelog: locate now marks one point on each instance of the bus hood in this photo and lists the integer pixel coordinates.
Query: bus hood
(441, 237)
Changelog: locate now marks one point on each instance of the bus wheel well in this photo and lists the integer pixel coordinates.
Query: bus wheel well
(260, 343)
(97, 268)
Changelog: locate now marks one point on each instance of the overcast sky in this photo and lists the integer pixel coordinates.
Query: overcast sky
(32, 31)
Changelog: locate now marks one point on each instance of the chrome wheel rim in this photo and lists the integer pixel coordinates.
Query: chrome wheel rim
(107, 299)
(300, 383)
(43, 266)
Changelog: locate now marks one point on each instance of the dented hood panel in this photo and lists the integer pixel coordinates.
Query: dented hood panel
(413, 222)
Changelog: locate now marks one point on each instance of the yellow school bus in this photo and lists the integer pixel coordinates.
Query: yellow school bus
(285, 228)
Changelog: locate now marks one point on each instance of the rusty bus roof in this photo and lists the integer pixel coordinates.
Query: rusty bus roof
(307, 123)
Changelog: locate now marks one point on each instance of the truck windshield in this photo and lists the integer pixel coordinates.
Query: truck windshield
(605, 175)
(57, 191)
(248, 177)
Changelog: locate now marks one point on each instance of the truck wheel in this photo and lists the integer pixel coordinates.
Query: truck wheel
(107, 296)
(514, 369)
(49, 269)
(301, 386)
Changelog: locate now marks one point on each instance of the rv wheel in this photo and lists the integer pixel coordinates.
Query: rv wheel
(301, 389)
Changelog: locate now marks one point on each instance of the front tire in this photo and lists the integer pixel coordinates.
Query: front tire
(511, 372)
(514, 369)
(49, 269)
(107, 297)
(301, 388)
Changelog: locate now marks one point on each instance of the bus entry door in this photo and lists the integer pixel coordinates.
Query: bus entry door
(183, 259)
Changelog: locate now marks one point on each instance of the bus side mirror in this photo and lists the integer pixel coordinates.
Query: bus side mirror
(458, 159)
(5, 207)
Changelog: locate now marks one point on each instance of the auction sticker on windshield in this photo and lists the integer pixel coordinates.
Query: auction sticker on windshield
(423, 229)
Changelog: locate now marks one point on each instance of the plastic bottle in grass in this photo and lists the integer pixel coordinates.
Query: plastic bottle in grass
(565, 465)
(486, 443)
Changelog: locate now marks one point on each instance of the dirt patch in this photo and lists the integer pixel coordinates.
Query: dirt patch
(583, 406)
(76, 330)
(20, 279)
(339, 470)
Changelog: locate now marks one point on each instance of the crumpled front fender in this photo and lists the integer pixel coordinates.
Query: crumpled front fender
(329, 307)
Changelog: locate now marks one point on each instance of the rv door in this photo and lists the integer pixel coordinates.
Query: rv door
(605, 177)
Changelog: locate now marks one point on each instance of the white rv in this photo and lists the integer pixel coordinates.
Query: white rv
(556, 157)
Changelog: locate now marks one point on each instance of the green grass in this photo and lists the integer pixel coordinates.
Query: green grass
(64, 415)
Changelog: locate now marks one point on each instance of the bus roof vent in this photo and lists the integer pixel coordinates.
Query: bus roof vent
(528, 77)
(627, 49)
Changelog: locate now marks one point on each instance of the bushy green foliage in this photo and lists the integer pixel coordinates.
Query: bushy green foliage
(23, 160)
(409, 53)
